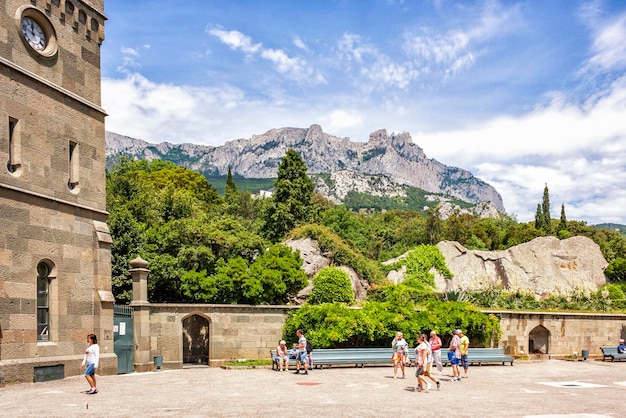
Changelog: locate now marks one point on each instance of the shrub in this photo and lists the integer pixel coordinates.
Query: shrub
(336, 325)
(331, 284)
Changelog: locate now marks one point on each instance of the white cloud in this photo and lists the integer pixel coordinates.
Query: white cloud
(236, 40)
(284, 63)
(609, 46)
(341, 119)
(129, 51)
(293, 67)
(300, 43)
(579, 151)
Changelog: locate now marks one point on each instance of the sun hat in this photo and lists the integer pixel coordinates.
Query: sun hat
(621, 340)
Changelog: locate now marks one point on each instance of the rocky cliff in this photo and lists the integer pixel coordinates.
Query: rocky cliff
(545, 265)
(393, 156)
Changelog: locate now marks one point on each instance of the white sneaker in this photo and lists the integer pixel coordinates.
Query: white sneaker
(428, 386)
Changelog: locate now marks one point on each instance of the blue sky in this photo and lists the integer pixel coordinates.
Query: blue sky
(521, 93)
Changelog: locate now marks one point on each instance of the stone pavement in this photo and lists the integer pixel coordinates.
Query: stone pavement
(549, 388)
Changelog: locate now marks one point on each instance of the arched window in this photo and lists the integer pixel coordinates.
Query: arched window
(43, 302)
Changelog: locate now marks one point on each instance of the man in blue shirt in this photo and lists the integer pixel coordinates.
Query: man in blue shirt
(621, 348)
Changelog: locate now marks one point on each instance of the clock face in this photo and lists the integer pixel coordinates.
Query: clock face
(34, 34)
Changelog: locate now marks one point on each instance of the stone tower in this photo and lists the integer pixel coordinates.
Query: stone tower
(55, 255)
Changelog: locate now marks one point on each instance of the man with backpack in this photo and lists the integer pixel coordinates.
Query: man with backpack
(309, 354)
(302, 355)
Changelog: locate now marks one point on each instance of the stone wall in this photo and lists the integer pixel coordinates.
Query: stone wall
(559, 334)
(52, 191)
(235, 331)
(242, 331)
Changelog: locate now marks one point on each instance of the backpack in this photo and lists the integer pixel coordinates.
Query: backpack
(309, 346)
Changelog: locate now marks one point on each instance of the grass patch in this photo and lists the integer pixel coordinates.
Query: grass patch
(252, 363)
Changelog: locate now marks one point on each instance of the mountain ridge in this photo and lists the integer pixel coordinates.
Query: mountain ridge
(394, 156)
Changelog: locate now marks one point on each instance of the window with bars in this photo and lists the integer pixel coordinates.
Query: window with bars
(43, 302)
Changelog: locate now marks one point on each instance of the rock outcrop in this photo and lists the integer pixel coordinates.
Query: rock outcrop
(545, 265)
(313, 260)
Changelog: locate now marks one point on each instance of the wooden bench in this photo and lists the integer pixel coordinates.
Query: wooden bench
(611, 352)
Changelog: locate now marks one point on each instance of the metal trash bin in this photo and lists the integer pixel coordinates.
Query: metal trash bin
(158, 362)
(585, 354)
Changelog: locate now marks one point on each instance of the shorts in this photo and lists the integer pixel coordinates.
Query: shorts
(418, 371)
(464, 361)
(301, 356)
(91, 370)
(455, 361)
(279, 359)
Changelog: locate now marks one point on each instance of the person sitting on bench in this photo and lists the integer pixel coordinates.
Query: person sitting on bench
(621, 348)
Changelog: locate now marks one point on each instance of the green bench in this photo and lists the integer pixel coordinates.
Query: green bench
(275, 366)
(481, 355)
(359, 357)
(611, 352)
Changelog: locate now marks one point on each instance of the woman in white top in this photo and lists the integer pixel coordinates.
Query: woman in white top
(92, 358)
(399, 346)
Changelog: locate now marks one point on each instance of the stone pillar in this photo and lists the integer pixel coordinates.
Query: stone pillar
(141, 315)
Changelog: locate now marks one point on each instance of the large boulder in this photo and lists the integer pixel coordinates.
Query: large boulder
(314, 260)
(545, 265)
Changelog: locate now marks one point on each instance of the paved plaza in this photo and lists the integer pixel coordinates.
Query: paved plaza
(550, 388)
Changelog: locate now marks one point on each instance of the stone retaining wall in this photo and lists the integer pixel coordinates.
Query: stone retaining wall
(241, 331)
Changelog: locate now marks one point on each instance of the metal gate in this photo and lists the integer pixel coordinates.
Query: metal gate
(195, 340)
(123, 341)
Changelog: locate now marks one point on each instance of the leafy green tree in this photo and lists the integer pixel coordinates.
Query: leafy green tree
(127, 244)
(419, 262)
(276, 277)
(331, 284)
(229, 280)
(434, 225)
(616, 270)
(291, 202)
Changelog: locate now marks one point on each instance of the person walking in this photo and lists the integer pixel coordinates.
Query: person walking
(429, 364)
(301, 359)
(435, 347)
(465, 343)
(421, 362)
(399, 346)
(454, 355)
(91, 360)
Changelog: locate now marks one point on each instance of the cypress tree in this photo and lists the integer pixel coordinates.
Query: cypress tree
(230, 191)
(563, 222)
(547, 219)
(539, 218)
